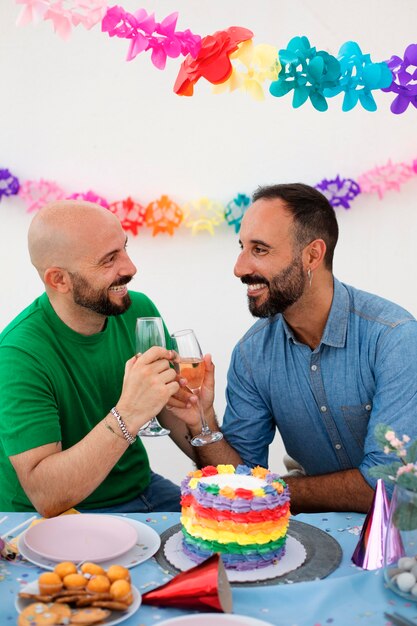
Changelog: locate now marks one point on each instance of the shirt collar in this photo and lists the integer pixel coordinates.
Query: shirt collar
(334, 333)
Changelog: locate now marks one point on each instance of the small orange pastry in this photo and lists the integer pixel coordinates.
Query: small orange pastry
(48, 583)
(118, 572)
(74, 581)
(98, 584)
(121, 591)
(64, 568)
(92, 568)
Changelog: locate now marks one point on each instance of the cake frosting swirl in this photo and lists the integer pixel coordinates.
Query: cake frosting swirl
(242, 513)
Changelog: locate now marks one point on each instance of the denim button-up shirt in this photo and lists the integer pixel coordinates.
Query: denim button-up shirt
(325, 402)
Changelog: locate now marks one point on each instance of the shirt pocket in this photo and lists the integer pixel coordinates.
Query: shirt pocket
(356, 418)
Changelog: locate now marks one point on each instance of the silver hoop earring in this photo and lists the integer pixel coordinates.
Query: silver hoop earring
(310, 276)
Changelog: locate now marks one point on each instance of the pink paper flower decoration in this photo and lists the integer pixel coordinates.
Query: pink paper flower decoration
(90, 196)
(203, 214)
(32, 11)
(147, 34)
(37, 193)
(130, 213)
(163, 216)
(382, 179)
(64, 14)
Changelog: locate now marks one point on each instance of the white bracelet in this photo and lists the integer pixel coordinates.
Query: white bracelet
(126, 434)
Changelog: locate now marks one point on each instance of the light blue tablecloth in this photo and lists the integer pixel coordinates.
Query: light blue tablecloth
(348, 597)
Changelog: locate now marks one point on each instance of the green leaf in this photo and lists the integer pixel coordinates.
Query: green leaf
(405, 516)
(411, 456)
(387, 471)
(380, 432)
(408, 480)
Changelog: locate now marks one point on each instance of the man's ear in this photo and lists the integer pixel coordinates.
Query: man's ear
(57, 279)
(315, 252)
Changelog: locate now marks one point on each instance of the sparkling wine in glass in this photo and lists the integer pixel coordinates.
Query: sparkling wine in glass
(150, 332)
(189, 364)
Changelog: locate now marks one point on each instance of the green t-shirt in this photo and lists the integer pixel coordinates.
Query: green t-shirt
(56, 385)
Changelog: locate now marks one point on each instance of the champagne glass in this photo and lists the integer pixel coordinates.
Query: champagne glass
(150, 332)
(189, 364)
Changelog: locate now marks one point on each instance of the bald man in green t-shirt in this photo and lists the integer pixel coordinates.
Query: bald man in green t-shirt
(73, 395)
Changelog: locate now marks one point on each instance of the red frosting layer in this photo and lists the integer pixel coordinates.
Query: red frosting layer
(244, 518)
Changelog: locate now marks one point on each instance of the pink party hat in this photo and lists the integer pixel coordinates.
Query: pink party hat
(369, 553)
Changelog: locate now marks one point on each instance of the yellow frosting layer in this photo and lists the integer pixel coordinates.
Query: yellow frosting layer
(223, 534)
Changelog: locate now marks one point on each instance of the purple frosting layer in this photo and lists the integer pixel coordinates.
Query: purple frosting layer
(237, 562)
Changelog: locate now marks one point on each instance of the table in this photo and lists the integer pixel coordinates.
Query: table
(348, 597)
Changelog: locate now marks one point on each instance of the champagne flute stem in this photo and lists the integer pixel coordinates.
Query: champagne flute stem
(205, 430)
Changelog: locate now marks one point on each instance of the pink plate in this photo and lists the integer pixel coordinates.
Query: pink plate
(84, 537)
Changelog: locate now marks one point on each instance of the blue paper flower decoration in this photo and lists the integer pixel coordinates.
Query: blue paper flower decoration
(359, 77)
(235, 210)
(9, 184)
(307, 72)
(339, 191)
(405, 79)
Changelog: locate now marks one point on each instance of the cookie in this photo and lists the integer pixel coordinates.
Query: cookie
(62, 610)
(89, 599)
(37, 614)
(110, 604)
(89, 616)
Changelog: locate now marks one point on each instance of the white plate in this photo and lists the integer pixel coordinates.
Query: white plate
(295, 555)
(85, 537)
(214, 619)
(147, 544)
(115, 618)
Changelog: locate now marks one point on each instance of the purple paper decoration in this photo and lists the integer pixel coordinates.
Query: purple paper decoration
(339, 191)
(369, 553)
(404, 83)
(9, 184)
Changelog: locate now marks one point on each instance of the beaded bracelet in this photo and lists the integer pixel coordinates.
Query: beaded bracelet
(126, 434)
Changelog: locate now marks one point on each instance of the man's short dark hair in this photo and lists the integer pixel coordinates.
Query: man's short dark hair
(314, 216)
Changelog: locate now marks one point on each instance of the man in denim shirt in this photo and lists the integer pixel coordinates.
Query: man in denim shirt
(324, 364)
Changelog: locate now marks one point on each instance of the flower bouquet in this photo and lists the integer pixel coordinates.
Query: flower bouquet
(402, 472)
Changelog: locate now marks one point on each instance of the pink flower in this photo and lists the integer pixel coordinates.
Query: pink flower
(405, 469)
(406, 438)
(389, 435)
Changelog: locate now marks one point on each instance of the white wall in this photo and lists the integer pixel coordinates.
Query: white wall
(78, 114)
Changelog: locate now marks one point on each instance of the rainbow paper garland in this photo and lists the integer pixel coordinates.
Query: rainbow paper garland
(312, 75)
(164, 215)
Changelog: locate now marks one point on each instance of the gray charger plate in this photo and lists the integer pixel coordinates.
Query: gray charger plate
(323, 555)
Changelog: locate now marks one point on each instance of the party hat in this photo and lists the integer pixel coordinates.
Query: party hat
(203, 587)
(369, 553)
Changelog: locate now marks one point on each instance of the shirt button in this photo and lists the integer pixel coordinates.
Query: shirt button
(338, 446)
(314, 367)
(323, 409)
(368, 407)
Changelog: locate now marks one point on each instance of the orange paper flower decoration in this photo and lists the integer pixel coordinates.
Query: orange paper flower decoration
(203, 214)
(163, 215)
(212, 62)
(130, 213)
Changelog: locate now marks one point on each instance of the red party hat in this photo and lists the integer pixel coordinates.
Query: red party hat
(369, 553)
(202, 587)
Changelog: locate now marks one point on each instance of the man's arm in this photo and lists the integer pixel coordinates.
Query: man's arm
(346, 490)
(55, 479)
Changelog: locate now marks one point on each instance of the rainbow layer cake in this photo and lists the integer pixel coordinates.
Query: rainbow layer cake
(242, 513)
